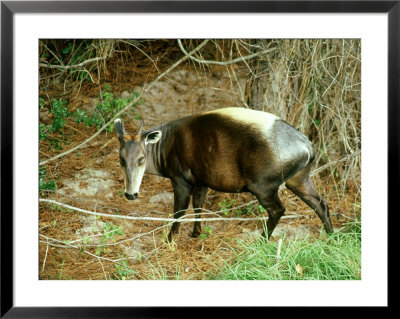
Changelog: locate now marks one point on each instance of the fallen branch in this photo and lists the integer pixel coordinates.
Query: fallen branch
(126, 107)
(75, 66)
(160, 219)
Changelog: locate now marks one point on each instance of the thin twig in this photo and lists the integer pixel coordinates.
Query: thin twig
(75, 66)
(73, 128)
(278, 253)
(101, 264)
(45, 256)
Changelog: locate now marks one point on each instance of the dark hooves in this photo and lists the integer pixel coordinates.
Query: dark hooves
(195, 235)
(171, 235)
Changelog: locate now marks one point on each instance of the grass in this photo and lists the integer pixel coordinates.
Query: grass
(332, 257)
(335, 257)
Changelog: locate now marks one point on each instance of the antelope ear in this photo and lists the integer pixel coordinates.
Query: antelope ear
(153, 137)
(119, 129)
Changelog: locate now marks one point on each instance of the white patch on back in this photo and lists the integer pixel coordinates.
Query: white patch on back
(262, 120)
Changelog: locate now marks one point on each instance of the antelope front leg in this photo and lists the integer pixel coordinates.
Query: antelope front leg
(182, 192)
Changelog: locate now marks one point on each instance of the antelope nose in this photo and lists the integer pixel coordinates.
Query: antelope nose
(130, 196)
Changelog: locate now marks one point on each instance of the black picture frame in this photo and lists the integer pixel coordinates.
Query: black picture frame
(9, 8)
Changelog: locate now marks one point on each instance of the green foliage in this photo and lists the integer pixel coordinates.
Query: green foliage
(110, 233)
(207, 232)
(334, 257)
(226, 206)
(67, 49)
(105, 110)
(41, 102)
(60, 209)
(109, 106)
(261, 209)
(123, 271)
(249, 209)
(60, 113)
(83, 116)
(42, 131)
(45, 184)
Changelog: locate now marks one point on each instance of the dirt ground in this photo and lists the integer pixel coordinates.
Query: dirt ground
(72, 245)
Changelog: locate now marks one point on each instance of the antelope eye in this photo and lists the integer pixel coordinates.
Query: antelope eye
(141, 160)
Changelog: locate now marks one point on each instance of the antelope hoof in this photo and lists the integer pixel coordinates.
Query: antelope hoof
(195, 234)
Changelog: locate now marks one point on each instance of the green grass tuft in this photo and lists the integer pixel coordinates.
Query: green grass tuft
(333, 257)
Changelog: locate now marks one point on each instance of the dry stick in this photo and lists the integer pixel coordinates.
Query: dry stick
(73, 128)
(66, 67)
(44, 153)
(278, 253)
(159, 219)
(45, 256)
(227, 62)
(126, 107)
(101, 264)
